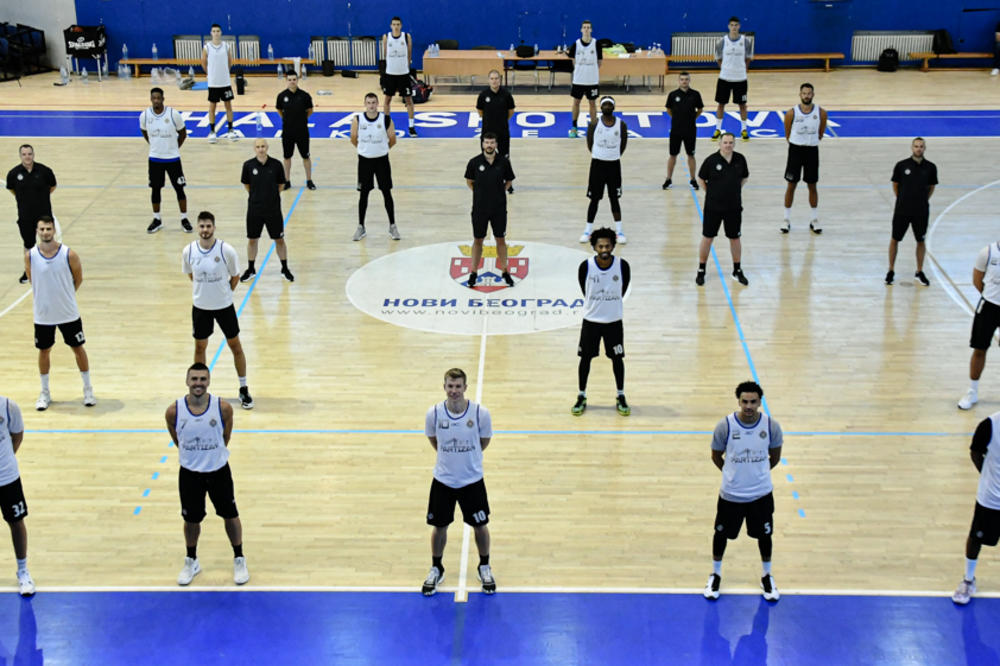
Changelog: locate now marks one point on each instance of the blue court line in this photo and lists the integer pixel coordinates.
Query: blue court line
(401, 431)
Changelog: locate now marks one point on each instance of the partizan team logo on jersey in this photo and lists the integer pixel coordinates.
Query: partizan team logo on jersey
(489, 278)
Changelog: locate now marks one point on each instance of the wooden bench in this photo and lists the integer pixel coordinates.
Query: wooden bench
(825, 57)
(187, 62)
(928, 56)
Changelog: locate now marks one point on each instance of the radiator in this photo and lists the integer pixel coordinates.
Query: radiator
(250, 49)
(867, 45)
(187, 47)
(364, 52)
(338, 49)
(318, 51)
(694, 43)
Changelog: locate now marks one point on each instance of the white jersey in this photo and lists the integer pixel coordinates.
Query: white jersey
(397, 55)
(988, 262)
(200, 443)
(603, 292)
(52, 287)
(212, 269)
(733, 55)
(746, 472)
(805, 127)
(218, 65)
(10, 423)
(163, 130)
(372, 138)
(586, 70)
(607, 141)
(459, 447)
(988, 493)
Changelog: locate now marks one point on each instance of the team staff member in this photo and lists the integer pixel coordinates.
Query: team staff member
(200, 425)
(398, 49)
(723, 175)
(489, 175)
(215, 60)
(295, 105)
(733, 53)
(459, 430)
(986, 279)
(32, 184)
(495, 106)
(604, 280)
(805, 125)
(746, 445)
(607, 137)
(373, 134)
(586, 59)
(166, 127)
(12, 502)
(913, 181)
(264, 179)
(684, 106)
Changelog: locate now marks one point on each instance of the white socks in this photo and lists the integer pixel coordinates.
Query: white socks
(815, 213)
(717, 567)
(618, 226)
(974, 385)
(766, 566)
(410, 124)
(970, 569)
(86, 378)
(22, 565)
(788, 214)
(589, 229)
(243, 382)
(45, 382)
(156, 216)
(718, 123)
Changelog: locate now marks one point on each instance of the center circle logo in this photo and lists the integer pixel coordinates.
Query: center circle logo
(425, 288)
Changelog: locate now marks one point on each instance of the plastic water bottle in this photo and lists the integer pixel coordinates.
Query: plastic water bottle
(270, 52)
(177, 74)
(536, 48)
(124, 51)
(63, 75)
(511, 48)
(260, 123)
(83, 75)
(281, 70)
(156, 53)
(191, 72)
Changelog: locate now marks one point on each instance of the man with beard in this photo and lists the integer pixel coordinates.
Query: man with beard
(805, 125)
(163, 129)
(489, 175)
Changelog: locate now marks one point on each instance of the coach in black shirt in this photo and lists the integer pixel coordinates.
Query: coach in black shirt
(31, 183)
(723, 174)
(264, 179)
(913, 181)
(295, 105)
(684, 105)
(488, 175)
(495, 106)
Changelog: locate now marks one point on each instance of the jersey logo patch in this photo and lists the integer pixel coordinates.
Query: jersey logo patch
(213, 423)
(489, 278)
(286, 100)
(482, 167)
(677, 99)
(20, 176)
(718, 167)
(255, 172)
(762, 434)
(217, 260)
(906, 171)
(469, 423)
(487, 100)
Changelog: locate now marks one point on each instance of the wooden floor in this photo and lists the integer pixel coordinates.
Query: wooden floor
(862, 377)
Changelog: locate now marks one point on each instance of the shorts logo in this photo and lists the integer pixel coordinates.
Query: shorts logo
(489, 277)
(979, 534)
(906, 171)
(430, 516)
(718, 167)
(718, 528)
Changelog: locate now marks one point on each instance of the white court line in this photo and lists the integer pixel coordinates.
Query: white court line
(15, 303)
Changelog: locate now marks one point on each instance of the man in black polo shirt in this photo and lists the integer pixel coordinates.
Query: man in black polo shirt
(264, 179)
(488, 175)
(684, 105)
(295, 105)
(913, 181)
(496, 107)
(31, 183)
(723, 175)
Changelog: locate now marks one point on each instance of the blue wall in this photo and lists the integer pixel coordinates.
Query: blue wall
(781, 26)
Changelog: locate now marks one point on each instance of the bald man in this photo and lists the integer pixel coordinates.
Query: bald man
(264, 178)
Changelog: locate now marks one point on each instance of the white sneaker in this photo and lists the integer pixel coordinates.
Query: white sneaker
(233, 136)
(970, 398)
(359, 233)
(768, 589)
(434, 578)
(585, 237)
(815, 227)
(190, 570)
(786, 226)
(240, 572)
(212, 137)
(620, 238)
(964, 591)
(393, 232)
(994, 72)
(88, 396)
(43, 402)
(26, 586)
(712, 587)
(485, 575)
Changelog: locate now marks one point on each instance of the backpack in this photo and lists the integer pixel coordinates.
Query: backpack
(421, 91)
(942, 43)
(888, 61)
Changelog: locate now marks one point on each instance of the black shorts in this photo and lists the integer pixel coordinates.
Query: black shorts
(29, 230)
(203, 322)
(159, 170)
(604, 173)
(12, 502)
(803, 162)
(985, 525)
(902, 221)
(723, 89)
(591, 334)
(472, 499)
(716, 217)
(481, 222)
(289, 142)
(984, 324)
(679, 137)
(393, 84)
(72, 334)
(759, 515)
(220, 94)
(218, 485)
(256, 221)
(370, 168)
(590, 92)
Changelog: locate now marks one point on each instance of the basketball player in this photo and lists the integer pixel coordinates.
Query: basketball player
(607, 137)
(216, 60)
(733, 53)
(985, 529)
(746, 445)
(56, 273)
(264, 180)
(295, 105)
(805, 125)
(166, 126)
(723, 175)
(398, 49)
(913, 181)
(32, 184)
(373, 134)
(495, 105)
(12, 502)
(200, 425)
(459, 430)
(213, 268)
(489, 176)
(986, 279)
(604, 280)
(684, 106)
(586, 59)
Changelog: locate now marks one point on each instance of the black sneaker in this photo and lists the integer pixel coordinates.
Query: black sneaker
(622, 406)
(472, 279)
(919, 275)
(245, 400)
(507, 278)
(890, 277)
(694, 184)
(186, 225)
(23, 279)
(154, 226)
(580, 406)
(311, 185)
(666, 184)
(413, 131)
(739, 277)
(248, 275)
(287, 274)
(510, 190)
(699, 278)
(434, 578)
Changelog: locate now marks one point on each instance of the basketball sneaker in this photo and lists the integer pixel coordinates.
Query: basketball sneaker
(310, 185)
(393, 232)
(26, 586)
(622, 406)
(694, 184)
(413, 132)
(233, 135)
(485, 575)
(739, 277)
(507, 278)
(154, 226)
(585, 237)
(712, 587)
(786, 226)
(889, 277)
(815, 227)
(190, 570)
(23, 279)
(964, 591)
(580, 406)
(248, 274)
(666, 184)
(88, 396)
(699, 278)
(620, 238)
(246, 402)
(359, 233)
(745, 135)
(212, 137)
(994, 71)
(970, 398)
(240, 572)
(287, 274)
(716, 134)
(434, 578)
(186, 225)
(768, 589)
(922, 279)
(473, 277)
(572, 132)
(44, 400)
